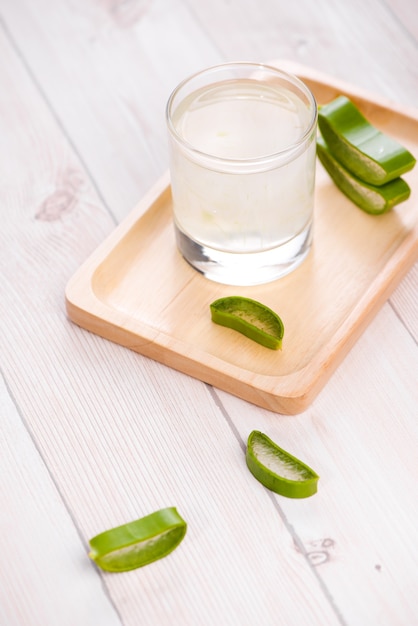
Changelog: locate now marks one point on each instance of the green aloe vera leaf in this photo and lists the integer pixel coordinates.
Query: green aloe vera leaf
(278, 470)
(365, 151)
(372, 199)
(138, 543)
(251, 318)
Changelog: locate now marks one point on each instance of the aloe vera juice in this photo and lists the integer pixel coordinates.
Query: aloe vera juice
(256, 195)
(242, 162)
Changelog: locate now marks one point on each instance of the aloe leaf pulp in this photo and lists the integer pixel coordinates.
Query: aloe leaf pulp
(278, 470)
(369, 154)
(372, 199)
(138, 543)
(251, 318)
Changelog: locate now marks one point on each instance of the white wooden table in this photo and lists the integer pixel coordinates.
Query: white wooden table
(94, 435)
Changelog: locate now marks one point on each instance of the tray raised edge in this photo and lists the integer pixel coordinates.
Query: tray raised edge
(289, 394)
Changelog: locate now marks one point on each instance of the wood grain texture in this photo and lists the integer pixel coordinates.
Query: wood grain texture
(406, 15)
(94, 435)
(405, 301)
(132, 293)
(132, 55)
(42, 552)
(99, 416)
(366, 43)
(364, 454)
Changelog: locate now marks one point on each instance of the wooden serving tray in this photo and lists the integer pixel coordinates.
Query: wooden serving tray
(136, 289)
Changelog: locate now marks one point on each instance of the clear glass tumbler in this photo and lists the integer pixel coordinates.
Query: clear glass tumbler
(242, 144)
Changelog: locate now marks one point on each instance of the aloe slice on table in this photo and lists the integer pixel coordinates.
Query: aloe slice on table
(278, 470)
(365, 151)
(138, 543)
(372, 199)
(251, 318)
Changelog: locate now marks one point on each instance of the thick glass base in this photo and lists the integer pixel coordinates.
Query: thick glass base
(243, 269)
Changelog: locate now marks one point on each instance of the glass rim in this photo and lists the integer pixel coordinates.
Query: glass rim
(259, 160)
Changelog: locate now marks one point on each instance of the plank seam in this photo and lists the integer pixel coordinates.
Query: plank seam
(54, 115)
(404, 324)
(58, 491)
(289, 527)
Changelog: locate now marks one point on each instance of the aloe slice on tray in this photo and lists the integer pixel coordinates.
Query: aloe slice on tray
(251, 318)
(365, 151)
(370, 198)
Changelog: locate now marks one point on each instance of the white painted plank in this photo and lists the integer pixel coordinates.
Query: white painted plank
(123, 436)
(361, 436)
(132, 55)
(46, 578)
(356, 41)
(120, 435)
(404, 12)
(405, 301)
(115, 460)
(107, 69)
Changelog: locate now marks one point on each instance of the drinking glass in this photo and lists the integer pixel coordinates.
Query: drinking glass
(242, 145)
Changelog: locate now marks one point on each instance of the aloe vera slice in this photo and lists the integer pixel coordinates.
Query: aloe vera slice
(366, 152)
(251, 318)
(278, 470)
(138, 543)
(372, 199)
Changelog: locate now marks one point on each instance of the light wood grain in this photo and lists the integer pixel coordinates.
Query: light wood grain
(103, 437)
(138, 291)
(367, 43)
(94, 434)
(113, 110)
(42, 552)
(364, 454)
